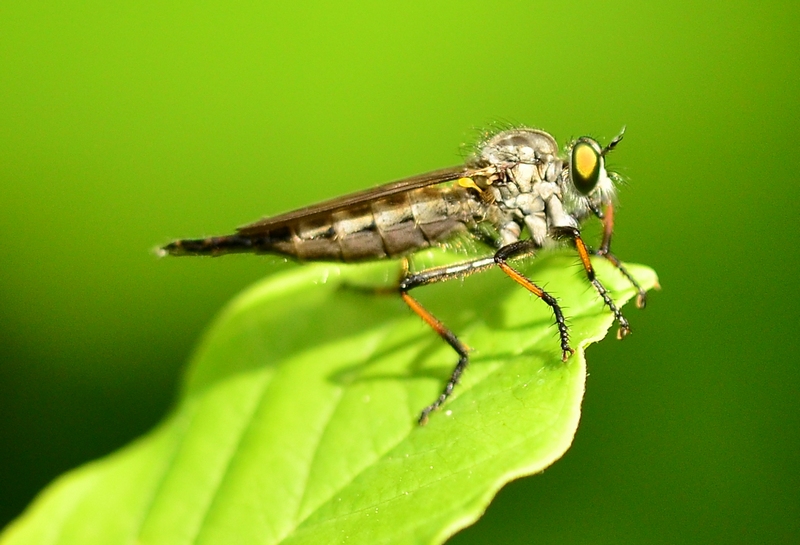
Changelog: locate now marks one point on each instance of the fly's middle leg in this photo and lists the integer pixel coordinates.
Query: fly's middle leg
(523, 248)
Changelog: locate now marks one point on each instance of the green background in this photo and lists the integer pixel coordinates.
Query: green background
(123, 126)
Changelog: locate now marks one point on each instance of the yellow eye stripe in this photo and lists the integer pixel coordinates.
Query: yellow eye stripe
(584, 160)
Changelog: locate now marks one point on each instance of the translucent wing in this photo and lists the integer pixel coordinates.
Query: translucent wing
(266, 225)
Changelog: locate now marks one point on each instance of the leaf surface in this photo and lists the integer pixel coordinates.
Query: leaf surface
(297, 420)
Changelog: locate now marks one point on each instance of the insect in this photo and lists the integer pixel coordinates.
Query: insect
(516, 192)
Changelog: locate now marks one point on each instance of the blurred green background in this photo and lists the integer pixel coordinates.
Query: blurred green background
(123, 126)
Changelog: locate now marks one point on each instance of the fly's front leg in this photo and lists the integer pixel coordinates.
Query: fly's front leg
(521, 249)
(430, 276)
(605, 251)
(583, 252)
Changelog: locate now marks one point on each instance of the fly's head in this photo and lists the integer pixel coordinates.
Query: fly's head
(586, 184)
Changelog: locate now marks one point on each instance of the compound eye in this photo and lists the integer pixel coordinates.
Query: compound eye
(585, 164)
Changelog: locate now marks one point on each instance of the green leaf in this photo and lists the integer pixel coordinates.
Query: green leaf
(297, 420)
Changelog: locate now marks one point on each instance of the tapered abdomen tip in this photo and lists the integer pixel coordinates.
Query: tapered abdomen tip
(212, 246)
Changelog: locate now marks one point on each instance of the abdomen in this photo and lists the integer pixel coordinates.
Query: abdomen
(379, 228)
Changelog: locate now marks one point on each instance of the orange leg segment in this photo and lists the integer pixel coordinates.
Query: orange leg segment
(452, 340)
(605, 252)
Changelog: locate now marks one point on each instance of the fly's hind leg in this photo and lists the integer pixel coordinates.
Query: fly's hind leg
(430, 276)
(450, 338)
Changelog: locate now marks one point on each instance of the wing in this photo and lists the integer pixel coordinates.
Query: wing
(265, 225)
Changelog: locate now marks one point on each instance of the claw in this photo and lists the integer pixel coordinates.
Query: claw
(423, 418)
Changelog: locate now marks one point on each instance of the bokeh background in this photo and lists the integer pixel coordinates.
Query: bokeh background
(123, 125)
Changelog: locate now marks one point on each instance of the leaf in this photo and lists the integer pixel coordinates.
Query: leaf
(297, 420)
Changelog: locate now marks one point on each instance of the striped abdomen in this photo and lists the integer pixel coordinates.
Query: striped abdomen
(383, 227)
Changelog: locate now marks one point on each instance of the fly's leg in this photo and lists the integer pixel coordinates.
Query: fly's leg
(430, 276)
(450, 338)
(509, 252)
(605, 252)
(583, 252)
(641, 295)
(523, 248)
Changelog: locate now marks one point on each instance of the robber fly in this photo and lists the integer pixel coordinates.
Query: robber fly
(516, 181)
